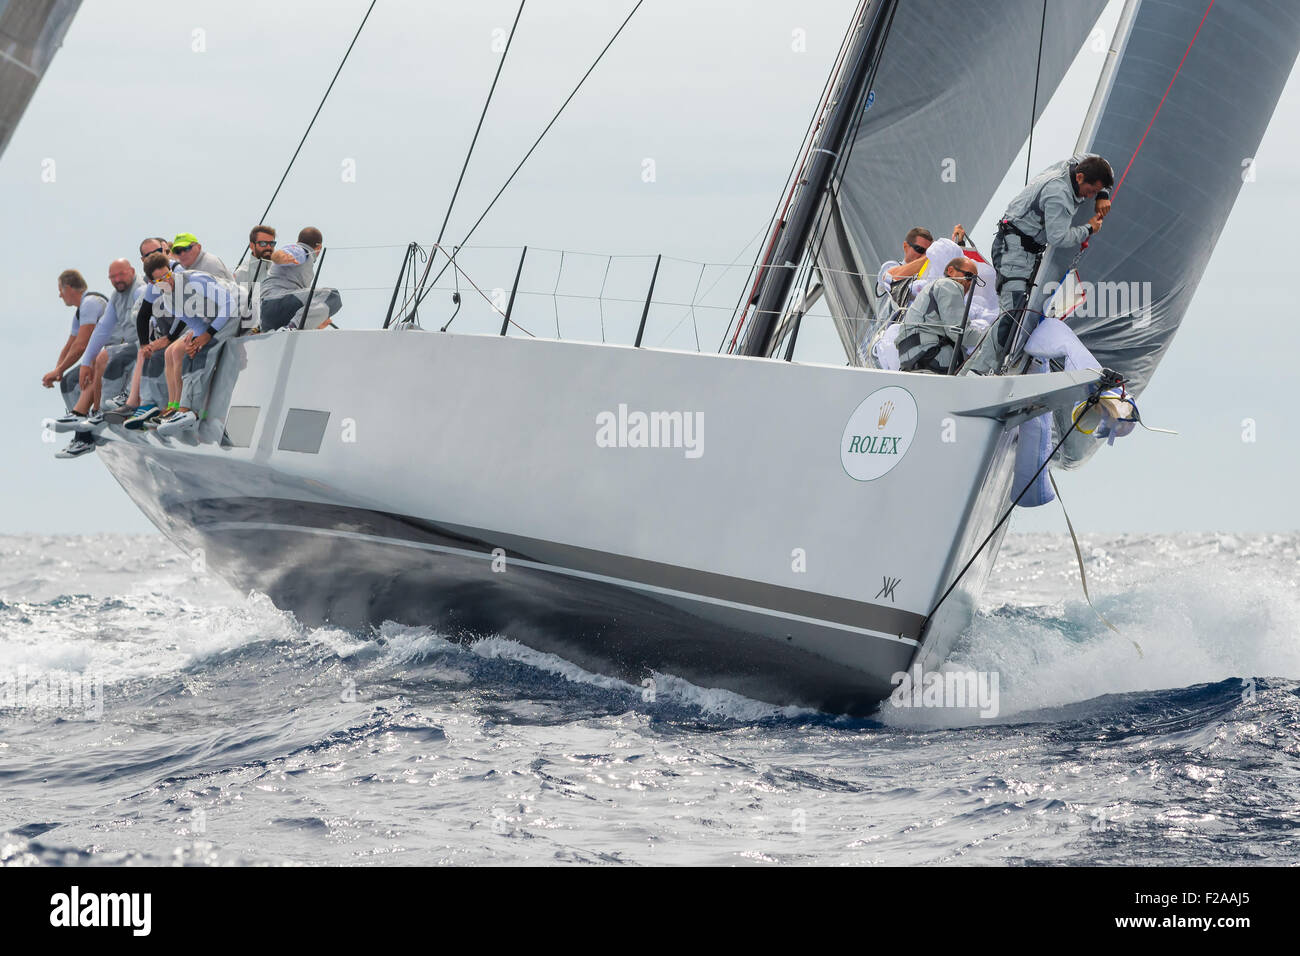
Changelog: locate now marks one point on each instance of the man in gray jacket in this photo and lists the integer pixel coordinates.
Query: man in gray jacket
(284, 291)
(932, 324)
(1041, 215)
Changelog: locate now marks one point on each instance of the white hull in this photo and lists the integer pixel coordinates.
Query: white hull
(759, 564)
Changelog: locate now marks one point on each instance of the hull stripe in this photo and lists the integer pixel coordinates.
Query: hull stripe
(486, 555)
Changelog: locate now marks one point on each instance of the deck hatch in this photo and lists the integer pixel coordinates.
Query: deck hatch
(304, 428)
(240, 422)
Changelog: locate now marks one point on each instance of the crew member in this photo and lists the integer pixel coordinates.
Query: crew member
(253, 271)
(109, 359)
(188, 251)
(284, 293)
(191, 359)
(89, 308)
(1041, 215)
(932, 325)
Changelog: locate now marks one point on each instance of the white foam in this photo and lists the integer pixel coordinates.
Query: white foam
(1221, 617)
(152, 635)
(656, 688)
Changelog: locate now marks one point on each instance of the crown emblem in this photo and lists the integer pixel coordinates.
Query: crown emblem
(886, 410)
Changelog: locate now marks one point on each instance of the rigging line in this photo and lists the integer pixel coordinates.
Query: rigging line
(1104, 382)
(1078, 554)
(555, 295)
(469, 153)
(724, 266)
(694, 295)
(262, 218)
(1033, 110)
(788, 190)
(601, 298)
(1162, 100)
(542, 135)
(481, 117)
(689, 313)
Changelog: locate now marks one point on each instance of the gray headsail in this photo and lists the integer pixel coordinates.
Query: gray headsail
(1198, 132)
(952, 105)
(30, 33)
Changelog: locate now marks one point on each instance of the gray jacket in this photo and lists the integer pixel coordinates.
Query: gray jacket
(1044, 210)
(931, 326)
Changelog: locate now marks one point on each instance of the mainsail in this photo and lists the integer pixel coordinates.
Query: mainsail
(952, 107)
(1180, 122)
(30, 33)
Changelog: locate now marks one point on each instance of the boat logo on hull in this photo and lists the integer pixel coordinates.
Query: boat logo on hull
(878, 433)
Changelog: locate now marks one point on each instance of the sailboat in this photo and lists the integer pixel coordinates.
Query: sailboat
(799, 533)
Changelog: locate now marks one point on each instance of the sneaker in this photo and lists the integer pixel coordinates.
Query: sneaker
(120, 416)
(92, 424)
(71, 422)
(116, 404)
(77, 447)
(177, 422)
(142, 415)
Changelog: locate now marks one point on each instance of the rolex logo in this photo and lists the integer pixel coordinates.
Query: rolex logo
(878, 433)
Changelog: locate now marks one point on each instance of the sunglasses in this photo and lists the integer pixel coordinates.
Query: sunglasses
(968, 275)
(264, 242)
(182, 248)
(162, 278)
(920, 249)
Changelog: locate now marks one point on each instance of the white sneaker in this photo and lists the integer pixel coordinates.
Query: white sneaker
(177, 422)
(77, 447)
(116, 403)
(70, 422)
(92, 424)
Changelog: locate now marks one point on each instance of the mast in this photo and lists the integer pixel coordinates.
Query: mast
(778, 270)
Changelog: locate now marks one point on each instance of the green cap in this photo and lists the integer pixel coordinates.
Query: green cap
(184, 239)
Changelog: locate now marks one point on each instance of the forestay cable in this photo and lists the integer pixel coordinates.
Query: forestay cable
(538, 141)
(461, 179)
(262, 218)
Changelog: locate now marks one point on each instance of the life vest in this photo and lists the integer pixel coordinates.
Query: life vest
(97, 295)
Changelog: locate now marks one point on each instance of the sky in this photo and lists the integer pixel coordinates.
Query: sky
(679, 144)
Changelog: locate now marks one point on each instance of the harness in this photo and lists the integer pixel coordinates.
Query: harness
(914, 354)
(1028, 242)
(97, 295)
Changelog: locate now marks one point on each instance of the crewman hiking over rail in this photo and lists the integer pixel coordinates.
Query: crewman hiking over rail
(1041, 215)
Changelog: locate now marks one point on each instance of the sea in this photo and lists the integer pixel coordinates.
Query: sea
(151, 714)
